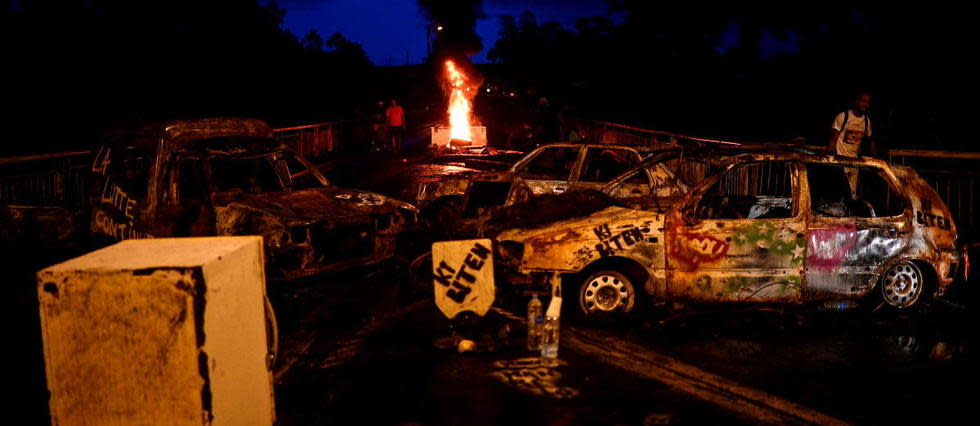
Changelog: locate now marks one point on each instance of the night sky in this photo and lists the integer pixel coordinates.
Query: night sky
(393, 30)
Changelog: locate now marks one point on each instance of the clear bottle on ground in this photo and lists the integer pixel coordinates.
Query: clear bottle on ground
(549, 346)
(535, 323)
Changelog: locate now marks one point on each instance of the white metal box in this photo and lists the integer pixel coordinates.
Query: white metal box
(163, 332)
(441, 134)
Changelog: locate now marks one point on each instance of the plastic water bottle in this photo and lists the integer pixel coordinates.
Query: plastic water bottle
(535, 323)
(549, 341)
(549, 346)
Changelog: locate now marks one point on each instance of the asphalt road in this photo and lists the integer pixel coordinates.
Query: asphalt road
(374, 352)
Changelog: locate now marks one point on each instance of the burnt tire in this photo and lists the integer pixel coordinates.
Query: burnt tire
(606, 294)
(903, 286)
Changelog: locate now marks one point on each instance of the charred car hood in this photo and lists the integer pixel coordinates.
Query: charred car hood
(547, 209)
(311, 205)
(575, 225)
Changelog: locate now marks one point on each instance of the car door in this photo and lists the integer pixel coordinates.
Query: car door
(122, 209)
(741, 239)
(549, 169)
(858, 222)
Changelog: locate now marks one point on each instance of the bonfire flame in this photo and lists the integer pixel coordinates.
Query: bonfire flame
(460, 105)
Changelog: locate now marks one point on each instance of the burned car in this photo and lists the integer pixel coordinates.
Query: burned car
(462, 201)
(758, 227)
(231, 177)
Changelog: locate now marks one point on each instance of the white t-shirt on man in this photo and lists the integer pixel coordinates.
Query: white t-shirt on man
(850, 137)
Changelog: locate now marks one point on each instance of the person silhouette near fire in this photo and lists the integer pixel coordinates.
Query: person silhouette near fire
(395, 119)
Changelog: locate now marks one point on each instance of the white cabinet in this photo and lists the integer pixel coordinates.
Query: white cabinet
(164, 331)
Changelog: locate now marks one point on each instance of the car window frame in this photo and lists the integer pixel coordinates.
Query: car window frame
(796, 198)
(583, 154)
(521, 165)
(884, 172)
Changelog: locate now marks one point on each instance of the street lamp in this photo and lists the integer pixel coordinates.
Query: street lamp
(428, 37)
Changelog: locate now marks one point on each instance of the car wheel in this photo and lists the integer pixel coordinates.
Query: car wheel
(902, 285)
(606, 293)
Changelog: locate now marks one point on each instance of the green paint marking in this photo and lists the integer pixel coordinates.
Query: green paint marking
(766, 232)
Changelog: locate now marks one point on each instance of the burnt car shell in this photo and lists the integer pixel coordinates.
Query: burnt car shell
(160, 180)
(791, 255)
(313, 229)
(459, 205)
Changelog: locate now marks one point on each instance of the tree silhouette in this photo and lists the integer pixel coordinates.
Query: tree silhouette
(78, 66)
(711, 69)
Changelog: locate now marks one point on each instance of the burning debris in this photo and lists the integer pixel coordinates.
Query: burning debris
(460, 104)
(456, 40)
(461, 86)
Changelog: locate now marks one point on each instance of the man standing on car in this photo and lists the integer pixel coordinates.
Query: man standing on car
(851, 130)
(395, 119)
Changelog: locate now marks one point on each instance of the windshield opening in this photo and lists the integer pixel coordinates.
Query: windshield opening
(273, 172)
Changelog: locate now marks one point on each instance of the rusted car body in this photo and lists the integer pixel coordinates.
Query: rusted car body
(466, 199)
(757, 227)
(230, 177)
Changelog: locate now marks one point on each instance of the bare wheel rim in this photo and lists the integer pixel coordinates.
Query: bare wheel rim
(606, 292)
(902, 285)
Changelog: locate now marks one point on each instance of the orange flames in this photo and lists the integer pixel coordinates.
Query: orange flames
(460, 103)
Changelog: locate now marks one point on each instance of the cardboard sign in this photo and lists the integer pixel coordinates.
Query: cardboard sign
(462, 275)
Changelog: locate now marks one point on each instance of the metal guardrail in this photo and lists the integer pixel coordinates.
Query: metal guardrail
(314, 139)
(47, 179)
(614, 133)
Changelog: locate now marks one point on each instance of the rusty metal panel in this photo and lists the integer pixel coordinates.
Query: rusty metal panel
(168, 331)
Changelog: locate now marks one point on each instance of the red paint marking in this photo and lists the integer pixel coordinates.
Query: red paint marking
(826, 248)
(696, 249)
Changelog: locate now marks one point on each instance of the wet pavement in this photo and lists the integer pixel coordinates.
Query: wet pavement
(394, 367)
(368, 346)
(379, 357)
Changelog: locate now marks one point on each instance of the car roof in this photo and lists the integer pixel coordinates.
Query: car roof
(186, 135)
(642, 149)
(764, 152)
(721, 155)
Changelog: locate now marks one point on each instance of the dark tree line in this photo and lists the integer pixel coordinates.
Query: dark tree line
(74, 67)
(714, 68)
